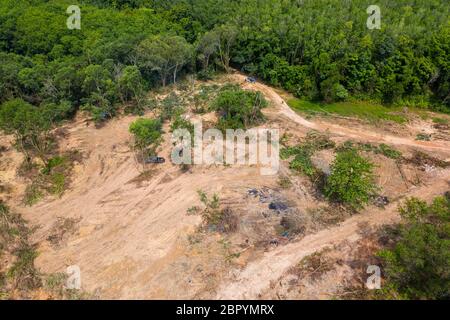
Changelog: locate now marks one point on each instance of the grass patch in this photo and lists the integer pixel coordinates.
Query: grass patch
(440, 121)
(53, 178)
(284, 182)
(19, 278)
(303, 152)
(302, 162)
(58, 183)
(17, 254)
(423, 137)
(389, 152)
(202, 99)
(384, 149)
(359, 109)
(314, 266)
(53, 163)
(33, 194)
(215, 218)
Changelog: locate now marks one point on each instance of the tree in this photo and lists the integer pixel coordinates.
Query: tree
(314, 49)
(28, 125)
(101, 92)
(207, 46)
(32, 80)
(63, 82)
(54, 113)
(153, 55)
(418, 266)
(351, 180)
(170, 106)
(327, 77)
(164, 55)
(225, 38)
(181, 54)
(147, 136)
(96, 79)
(239, 108)
(9, 75)
(130, 84)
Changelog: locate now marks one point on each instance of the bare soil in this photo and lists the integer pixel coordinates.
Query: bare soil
(132, 238)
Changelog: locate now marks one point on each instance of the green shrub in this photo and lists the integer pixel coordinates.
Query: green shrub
(222, 220)
(33, 193)
(340, 92)
(171, 106)
(286, 153)
(53, 163)
(351, 181)
(205, 74)
(383, 149)
(21, 275)
(53, 178)
(211, 214)
(437, 120)
(23, 272)
(99, 107)
(302, 162)
(418, 266)
(303, 152)
(423, 137)
(238, 108)
(180, 123)
(147, 134)
(58, 183)
(389, 152)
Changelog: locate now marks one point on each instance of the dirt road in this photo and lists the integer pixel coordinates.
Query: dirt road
(285, 110)
(257, 276)
(130, 233)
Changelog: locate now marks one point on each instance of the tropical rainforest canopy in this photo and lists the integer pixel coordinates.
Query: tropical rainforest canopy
(316, 49)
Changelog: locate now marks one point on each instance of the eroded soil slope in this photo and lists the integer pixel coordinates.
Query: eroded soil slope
(133, 238)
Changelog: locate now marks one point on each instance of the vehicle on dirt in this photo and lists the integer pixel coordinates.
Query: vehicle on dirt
(155, 159)
(250, 79)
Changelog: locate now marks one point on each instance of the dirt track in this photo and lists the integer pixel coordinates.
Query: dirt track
(257, 276)
(129, 232)
(131, 235)
(285, 110)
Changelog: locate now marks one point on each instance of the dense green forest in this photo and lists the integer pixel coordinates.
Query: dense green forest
(316, 49)
(321, 51)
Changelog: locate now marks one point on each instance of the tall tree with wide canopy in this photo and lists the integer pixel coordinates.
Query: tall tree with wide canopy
(164, 54)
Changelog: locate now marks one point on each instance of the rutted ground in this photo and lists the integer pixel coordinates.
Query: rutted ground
(133, 238)
(257, 277)
(128, 231)
(351, 133)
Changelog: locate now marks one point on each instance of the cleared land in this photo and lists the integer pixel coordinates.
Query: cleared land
(133, 237)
